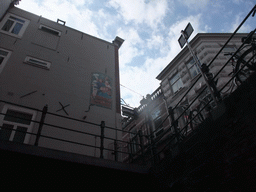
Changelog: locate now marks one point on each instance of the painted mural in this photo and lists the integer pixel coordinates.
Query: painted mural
(101, 90)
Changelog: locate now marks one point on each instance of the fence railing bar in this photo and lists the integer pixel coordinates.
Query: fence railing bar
(239, 26)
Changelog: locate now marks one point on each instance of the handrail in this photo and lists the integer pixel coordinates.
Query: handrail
(168, 131)
(103, 137)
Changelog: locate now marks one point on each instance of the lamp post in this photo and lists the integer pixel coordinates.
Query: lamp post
(185, 34)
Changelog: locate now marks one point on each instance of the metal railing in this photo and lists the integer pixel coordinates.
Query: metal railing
(175, 134)
(120, 146)
(145, 152)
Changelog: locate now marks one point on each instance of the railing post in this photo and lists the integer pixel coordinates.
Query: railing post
(141, 146)
(175, 124)
(115, 148)
(45, 109)
(102, 126)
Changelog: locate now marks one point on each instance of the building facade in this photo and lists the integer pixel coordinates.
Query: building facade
(179, 75)
(175, 80)
(45, 64)
(143, 125)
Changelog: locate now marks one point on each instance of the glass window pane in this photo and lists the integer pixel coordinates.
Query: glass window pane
(20, 134)
(7, 26)
(193, 71)
(5, 132)
(191, 63)
(175, 77)
(17, 28)
(177, 85)
(18, 117)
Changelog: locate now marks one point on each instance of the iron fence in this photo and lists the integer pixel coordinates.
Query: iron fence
(176, 133)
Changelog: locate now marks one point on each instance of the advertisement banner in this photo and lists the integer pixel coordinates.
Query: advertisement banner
(101, 90)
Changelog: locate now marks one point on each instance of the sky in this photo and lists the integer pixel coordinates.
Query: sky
(150, 28)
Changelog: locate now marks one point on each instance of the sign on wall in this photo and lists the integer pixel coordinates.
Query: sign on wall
(101, 90)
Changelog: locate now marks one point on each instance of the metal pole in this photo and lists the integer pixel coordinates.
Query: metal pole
(102, 126)
(141, 146)
(199, 66)
(115, 148)
(45, 109)
(174, 124)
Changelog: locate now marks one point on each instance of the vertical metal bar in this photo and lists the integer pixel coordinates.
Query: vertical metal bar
(115, 148)
(141, 146)
(45, 109)
(102, 126)
(174, 124)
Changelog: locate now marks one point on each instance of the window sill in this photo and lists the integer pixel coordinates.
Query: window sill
(11, 34)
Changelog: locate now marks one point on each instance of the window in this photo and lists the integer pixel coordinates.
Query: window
(4, 56)
(192, 67)
(16, 124)
(37, 62)
(134, 142)
(157, 120)
(176, 82)
(50, 30)
(14, 25)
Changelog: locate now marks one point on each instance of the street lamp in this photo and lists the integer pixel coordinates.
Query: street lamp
(185, 34)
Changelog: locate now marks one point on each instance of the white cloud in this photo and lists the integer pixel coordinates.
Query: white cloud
(245, 28)
(155, 42)
(139, 11)
(195, 4)
(142, 79)
(131, 48)
(69, 11)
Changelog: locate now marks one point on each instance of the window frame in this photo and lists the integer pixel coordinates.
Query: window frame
(192, 66)
(48, 29)
(2, 65)
(156, 117)
(16, 124)
(28, 60)
(178, 79)
(9, 32)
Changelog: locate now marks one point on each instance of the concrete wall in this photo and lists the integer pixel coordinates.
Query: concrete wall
(74, 56)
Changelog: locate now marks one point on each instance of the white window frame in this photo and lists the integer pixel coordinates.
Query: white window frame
(194, 65)
(156, 115)
(49, 28)
(176, 81)
(22, 30)
(5, 58)
(37, 62)
(15, 124)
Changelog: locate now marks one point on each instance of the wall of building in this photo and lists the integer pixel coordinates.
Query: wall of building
(206, 47)
(74, 58)
(148, 119)
(4, 5)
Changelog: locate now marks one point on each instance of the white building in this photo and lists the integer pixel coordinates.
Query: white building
(76, 75)
(181, 72)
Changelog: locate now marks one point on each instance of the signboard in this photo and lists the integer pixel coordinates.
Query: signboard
(182, 41)
(101, 90)
(187, 32)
